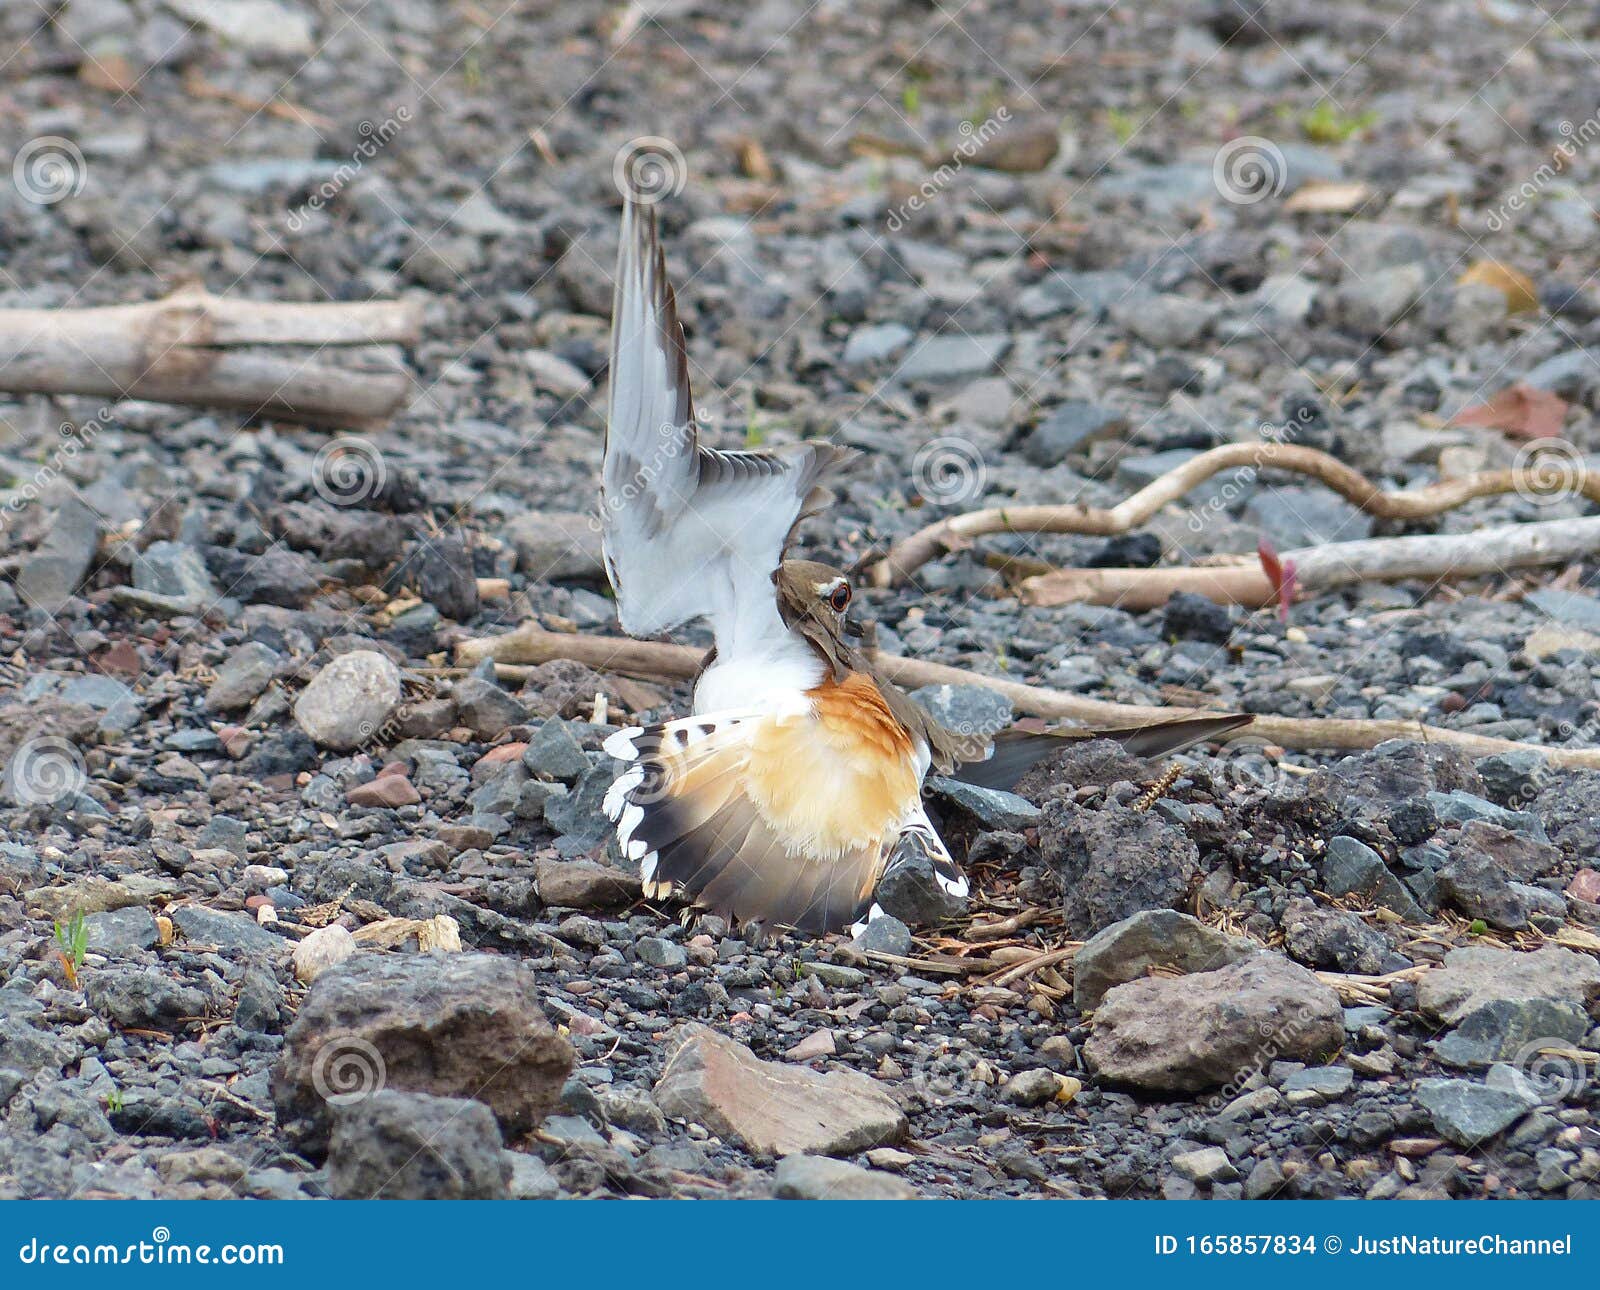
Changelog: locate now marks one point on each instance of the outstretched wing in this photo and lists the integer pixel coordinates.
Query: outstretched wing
(1018, 751)
(687, 531)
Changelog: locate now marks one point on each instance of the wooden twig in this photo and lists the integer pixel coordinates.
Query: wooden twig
(532, 644)
(1320, 568)
(953, 533)
(186, 348)
(1029, 966)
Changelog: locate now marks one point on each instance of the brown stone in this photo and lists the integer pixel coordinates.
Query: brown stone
(453, 1025)
(774, 1109)
(1182, 1034)
(583, 884)
(386, 790)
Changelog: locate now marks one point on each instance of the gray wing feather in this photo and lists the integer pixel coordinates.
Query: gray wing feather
(687, 531)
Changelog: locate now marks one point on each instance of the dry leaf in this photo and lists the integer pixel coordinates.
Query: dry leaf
(111, 72)
(1324, 197)
(1518, 289)
(1521, 410)
(754, 162)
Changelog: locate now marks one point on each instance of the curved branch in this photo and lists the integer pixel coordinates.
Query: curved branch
(949, 534)
(530, 644)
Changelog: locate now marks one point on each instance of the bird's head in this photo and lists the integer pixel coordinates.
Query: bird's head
(814, 600)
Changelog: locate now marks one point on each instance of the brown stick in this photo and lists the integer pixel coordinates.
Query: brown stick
(183, 349)
(1337, 564)
(951, 534)
(531, 644)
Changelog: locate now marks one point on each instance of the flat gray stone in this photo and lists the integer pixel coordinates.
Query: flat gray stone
(1165, 938)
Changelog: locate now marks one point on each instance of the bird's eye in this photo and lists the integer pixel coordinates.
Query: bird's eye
(839, 598)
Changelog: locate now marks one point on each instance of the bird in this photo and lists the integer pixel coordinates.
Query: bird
(796, 781)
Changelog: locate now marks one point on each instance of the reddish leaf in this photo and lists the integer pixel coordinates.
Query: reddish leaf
(1521, 410)
(1280, 573)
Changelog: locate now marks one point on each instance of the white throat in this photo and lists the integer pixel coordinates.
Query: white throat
(760, 663)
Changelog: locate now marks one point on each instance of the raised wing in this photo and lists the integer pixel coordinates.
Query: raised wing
(687, 531)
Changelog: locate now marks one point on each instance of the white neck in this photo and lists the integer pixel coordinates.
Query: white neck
(760, 663)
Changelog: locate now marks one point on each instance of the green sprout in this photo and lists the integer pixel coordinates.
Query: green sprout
(1327, 123)
(72, 943)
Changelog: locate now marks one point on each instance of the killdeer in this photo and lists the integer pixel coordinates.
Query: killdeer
(798, 779)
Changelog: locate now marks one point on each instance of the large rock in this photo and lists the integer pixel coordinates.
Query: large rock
(819, 1178)
(772, 1108)
(455, 1025)
(244, 675)
(1512, 1030)
(1381, 796)
(51, 572)
(1479, 974)
(348, 701)
(1114, 862)
(1181, 1034)
(552, 545)
(1164, 938)
(1469, 1114)
(410, 1146)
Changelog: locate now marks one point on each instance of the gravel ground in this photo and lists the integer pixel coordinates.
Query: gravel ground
(289, 908)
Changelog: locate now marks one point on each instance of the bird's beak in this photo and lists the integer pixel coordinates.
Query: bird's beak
(854, 630)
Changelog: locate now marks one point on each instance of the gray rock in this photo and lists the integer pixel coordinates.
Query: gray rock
(577, 816)
(412, 1146)
(1334, 940)
(246, 672)
(1032, 1087)
(819, 1178)
(1126, 951)
(1206, 1165)
(952, 357)
(449, 1024)
(484, 708)
(1187, 1033)
(176, 571)
(349, 700)
(226, 929)
(1478, 974)
(1510, 1029)
(1114, 862)
(1477, 887)
(1329, 1081)
(52, 572)
(1570, 607)
(553, 545)
(1458, 807)
(661, 953)
(773, 1108)
(910, 891)
(994, 808)
(966, 709)
(1298, 517)
(1068, 428)
(1513, 777)
(120, 932)
(884, 934)
(1351, 868)
(554, 751)
(1164, 321)
(145, 998)
(531, 1178)
(874, 343)
(1469, 1114)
